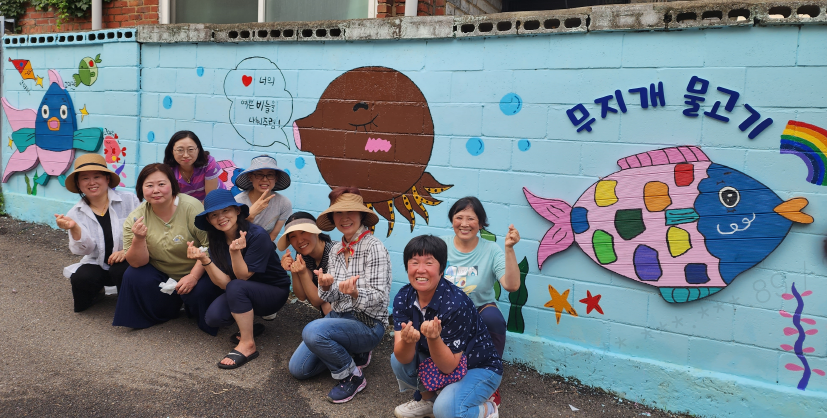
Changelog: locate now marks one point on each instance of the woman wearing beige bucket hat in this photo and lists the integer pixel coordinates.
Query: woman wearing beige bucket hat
(357, 286)
(95, 226)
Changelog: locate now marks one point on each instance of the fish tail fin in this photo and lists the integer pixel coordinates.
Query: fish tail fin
(686, 294)
(76, 77)
(560, 236)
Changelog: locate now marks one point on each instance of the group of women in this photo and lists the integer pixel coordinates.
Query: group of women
(184, 240)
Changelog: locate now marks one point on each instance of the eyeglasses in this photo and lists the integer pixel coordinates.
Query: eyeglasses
(182, 151)
(261, 176)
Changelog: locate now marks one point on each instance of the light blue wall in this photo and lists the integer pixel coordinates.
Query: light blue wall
(719, 356)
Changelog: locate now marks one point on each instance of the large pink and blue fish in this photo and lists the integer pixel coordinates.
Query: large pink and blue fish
(672, 219)
(49, 134)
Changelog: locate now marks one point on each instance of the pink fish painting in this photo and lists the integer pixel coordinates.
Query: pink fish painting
(113, 152)
(672, 219)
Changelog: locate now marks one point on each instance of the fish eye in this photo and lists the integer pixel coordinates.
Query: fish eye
(729, 196)
(44, 111)
(64, 112)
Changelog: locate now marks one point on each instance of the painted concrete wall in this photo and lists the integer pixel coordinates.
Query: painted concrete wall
(500, 124)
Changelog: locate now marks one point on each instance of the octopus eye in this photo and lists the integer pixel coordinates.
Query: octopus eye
(44, 111)
(729, 196)
(64, 112)
(360, 105)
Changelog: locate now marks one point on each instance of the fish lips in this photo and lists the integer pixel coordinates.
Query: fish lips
(53, 123)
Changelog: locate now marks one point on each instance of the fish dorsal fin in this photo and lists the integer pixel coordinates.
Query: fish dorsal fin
(674, 155)
(54, 77)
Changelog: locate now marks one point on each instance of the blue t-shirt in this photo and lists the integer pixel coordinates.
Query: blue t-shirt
(475, 272)
(462, 327)
(261, 258)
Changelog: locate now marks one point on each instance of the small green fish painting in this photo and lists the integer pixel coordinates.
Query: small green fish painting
(87, 71)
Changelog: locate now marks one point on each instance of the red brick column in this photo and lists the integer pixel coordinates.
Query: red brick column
(388, 8)
(116, 14)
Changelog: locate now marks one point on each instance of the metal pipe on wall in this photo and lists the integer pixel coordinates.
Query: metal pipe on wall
(97, 12)
(163, 11)
(410, 7)
(261, 11)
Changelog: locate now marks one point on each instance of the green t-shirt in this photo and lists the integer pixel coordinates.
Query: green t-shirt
(167, 242)
(475, 272)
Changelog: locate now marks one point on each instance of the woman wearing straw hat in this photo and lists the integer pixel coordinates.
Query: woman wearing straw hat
(155, 237)
(312, 253)
(95, 228)
(260, 183)
(241, 260)
(357, 286)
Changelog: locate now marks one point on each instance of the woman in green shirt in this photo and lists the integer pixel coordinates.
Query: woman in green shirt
(155, 239)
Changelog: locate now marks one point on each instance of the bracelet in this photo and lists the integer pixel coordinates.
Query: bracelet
(205, 265)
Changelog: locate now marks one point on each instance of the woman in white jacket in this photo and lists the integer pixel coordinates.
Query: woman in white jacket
(95, 226)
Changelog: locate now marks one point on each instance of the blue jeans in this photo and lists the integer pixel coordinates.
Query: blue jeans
(460, 399)
(328, 342)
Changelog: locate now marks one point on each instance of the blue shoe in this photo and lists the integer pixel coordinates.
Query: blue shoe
(362, 359)
(347, 389)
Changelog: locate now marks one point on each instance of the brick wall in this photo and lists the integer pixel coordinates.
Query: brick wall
(388, 8)
(116, 14)
(472, 7)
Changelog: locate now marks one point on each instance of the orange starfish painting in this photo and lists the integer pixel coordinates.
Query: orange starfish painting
(559, 302)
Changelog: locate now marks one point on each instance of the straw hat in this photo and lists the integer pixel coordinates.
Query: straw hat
(91, 162)
(301, 224)
(216, 200)
(263, 162)
(347, 202)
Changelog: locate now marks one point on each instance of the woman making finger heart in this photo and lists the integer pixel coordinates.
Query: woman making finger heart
(357, 288)
(242, 261)
(155, 238)
(312, 253)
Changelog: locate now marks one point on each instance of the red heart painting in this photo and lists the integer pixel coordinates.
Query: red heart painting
(246, 80)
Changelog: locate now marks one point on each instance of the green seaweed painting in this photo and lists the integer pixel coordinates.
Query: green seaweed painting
(517, 299)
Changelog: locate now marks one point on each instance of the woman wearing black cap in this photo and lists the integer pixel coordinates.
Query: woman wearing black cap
(242, 261)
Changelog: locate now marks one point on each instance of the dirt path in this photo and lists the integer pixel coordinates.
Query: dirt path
(59, 363)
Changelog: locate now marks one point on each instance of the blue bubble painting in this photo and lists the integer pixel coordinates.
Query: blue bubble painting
(167, 102)
(200, 71)
(524, 145)
(150, 136)
(300, 162)
(475, 146)
(511, 104)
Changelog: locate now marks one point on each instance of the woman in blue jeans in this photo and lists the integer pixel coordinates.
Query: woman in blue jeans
(438, 331)
(357, 286)
(242, 261)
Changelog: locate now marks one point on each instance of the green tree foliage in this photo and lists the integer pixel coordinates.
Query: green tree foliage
(65, 9)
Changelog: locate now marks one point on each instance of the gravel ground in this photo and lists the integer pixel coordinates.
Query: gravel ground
(60, 363)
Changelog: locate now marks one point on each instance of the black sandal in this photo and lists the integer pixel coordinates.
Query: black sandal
(258, 329)
(237, 358)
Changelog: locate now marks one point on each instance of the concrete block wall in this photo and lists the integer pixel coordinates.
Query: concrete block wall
(499, 109)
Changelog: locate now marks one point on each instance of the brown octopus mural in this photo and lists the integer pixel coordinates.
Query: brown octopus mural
(372, 129)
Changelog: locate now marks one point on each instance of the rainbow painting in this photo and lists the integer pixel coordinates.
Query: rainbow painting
(808, 142)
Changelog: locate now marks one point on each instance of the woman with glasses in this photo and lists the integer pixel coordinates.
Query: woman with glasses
(196, 171)
(260, 184)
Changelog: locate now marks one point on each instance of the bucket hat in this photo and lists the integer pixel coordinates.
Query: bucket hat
(347, 202)
(216, 200)
(91, 162)
(263, 162)
(307, 224)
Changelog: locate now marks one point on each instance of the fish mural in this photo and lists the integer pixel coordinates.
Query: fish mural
(672, 219)
(48, 135)
(113, 152)
(87, 71)
(229, 172)
(372, 129)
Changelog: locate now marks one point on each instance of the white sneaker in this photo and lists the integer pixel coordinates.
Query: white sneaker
(492, 414)
(415, 409)
(269, 317)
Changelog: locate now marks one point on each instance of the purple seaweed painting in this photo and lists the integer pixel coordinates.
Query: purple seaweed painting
(799, 348)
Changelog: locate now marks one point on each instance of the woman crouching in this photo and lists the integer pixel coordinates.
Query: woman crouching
(242, 260)
(440, 341)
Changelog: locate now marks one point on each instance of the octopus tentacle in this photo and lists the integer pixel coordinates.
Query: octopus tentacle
(385, 210)
(403, 205)
(419, 207)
